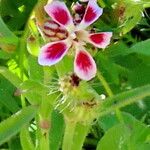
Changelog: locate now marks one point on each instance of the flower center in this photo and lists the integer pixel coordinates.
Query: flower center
(73, 36)
(69, 83)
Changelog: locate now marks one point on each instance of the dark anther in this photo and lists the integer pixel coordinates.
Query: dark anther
(75, 80)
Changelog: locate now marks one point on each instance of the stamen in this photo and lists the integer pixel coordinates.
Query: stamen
(73, 35)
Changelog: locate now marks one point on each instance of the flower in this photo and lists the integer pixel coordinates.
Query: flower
(53, 52)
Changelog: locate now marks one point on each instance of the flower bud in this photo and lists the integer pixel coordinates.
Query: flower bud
(78, 8)
(52, 31)
(33, 46)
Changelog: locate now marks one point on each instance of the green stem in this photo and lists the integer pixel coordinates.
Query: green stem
(105, 84)
(110, 94)
(44, 117)
(22, 48)
(44, 141)
(37, 133)
(68, 136)
(79, 136)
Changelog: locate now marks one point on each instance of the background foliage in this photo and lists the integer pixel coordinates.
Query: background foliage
(124, 65)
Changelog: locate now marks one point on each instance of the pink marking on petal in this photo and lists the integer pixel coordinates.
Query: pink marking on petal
(100, 40)
(83, 61)
(53, 52)
(59, 13)
(84, 65)
(92, 13)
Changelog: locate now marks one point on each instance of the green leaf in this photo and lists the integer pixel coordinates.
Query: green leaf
(131, 19)
(7, 34)
(35, 70)
(123, 99)
(14, 124)
(65, 66)
(14, 79)
(6, 95)
(106, 64)
(119, 48)
(26, 141)
(108, 121)
(18, 12)
(4, 55)
(145, 146)
(141, 48)
(115, 138)
(125, 137)
(14, 144)
(57, 130)
(33, 91)
(139, 75)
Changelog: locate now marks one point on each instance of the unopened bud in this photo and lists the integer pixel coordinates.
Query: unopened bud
(78, 8)
(33, 46)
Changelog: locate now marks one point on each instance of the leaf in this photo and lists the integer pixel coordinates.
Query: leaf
(125, 136)
(35, 70)
(145, 146)
(141, 48)
(108, 121)
(4, 55)
(33, 91)
(14, 144)
(131, 19)
(57, 130)
(14, 79)
(17, 11)
(116, 137)
(16, 122)
(6, 33)
(6, 95)
(114, 50)
(65, 66)
(106, 64)
(123, 99)
(139, 75)
(26, 141)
